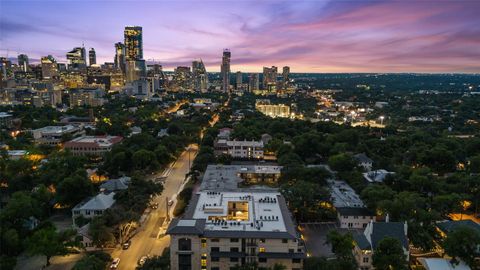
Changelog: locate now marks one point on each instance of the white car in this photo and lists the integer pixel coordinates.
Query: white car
(115, 263)
(142, 260)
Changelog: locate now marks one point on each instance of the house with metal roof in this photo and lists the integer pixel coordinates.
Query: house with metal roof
(94, 206)
(365, 243)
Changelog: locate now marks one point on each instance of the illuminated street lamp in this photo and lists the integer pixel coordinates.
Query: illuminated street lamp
(381, 119)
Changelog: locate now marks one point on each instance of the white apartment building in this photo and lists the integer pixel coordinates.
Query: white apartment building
(53, 135)
(354, 217)
(245, 149)
(221, 230)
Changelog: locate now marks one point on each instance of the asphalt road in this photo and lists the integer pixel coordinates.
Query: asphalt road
(149, 238)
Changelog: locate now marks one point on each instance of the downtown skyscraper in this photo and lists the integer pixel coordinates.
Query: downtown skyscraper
(225, 70)
(77, 58)
(119, 61)
(92, 57)
(199, 76)
(133, 41)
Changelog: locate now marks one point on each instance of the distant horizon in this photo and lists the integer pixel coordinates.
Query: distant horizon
(381, 36)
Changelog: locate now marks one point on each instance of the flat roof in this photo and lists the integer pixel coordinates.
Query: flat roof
(56, 129)
(343, 195)
(227, 177)
(101, 141)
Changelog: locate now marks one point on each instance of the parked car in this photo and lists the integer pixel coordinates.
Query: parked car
(154, 205)
(127, 244)
(142, 260)
(115, 263)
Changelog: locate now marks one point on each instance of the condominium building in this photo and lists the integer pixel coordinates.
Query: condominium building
(92, 145)
(273, 110)
(221, 230)
(54, 135)
(242, 149)
(93, 97)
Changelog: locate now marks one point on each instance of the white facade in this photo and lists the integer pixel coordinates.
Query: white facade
(52, 135)
(94, 206)
(245, 149)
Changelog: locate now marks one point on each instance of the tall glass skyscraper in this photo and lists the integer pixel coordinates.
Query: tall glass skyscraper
(135, 65)
(119, 60)
(225, 69)
(77, 58)
(92, 57)
(133, 43)
(23, 62)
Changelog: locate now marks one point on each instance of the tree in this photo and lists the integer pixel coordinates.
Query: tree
(372, 195)
(100, 232)
(74, 189)
(304, 198)
(93, 261)
(342, 244)
(463, 243)
(475, 164)
(341, 162)
(389, 255)
(48, 242)
(143, 159)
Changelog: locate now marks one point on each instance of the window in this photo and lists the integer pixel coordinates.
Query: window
(215, 268)
(233, 240)
(184, 261)
(262, 249)
(284, 241)
(262, 260)
(234, 259)
(365, 259)
(215, 249)
(291, 250)
(215, 259)
(234, 249)
(184, 244)
(214, 240)
(296, 260)
(262, 240)
(204, 242)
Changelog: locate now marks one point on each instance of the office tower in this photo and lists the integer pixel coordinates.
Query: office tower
(77, 58)
(199, 75)
(239, 80)
(23, 62)
(49, 67)
(253, 82)
(225, 69)
(133, 43)
(286, 76)
(135, 66)
(120, 56)
(183, 78)
(270, 78)
(92, 57)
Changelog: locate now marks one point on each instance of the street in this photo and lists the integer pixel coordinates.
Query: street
(149, 238)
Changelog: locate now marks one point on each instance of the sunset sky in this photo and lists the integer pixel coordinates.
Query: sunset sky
(309, 36)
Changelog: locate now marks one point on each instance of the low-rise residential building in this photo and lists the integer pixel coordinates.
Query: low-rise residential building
(229, 177)
(94, 206)
(442, 264)
(366, 243)
(5, 120)
(92, 145)
(364, 161)
(239, 149)
(54, 135)
(354, 217)
(377, 176)
(221, 230)
(115, 184)
(342, 195)
(16, 154)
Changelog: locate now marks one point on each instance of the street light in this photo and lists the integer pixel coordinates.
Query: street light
(381, 119)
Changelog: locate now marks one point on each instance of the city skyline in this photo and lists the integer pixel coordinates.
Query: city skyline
(308, 36)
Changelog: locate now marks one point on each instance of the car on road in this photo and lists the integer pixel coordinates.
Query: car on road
(142, 260)
(170, 202)
(154, 205)
(115, 263)
(127, 244)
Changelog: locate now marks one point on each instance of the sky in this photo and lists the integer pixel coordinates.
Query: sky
(438, 36)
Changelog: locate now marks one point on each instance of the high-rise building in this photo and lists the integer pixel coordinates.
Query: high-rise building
(270, 78)
(199, 75)
(133, 43)
(23, 62)
(135, 66)
(77, 58)
(239, 80)
(92, 57)
(120, 56)
(49, 67)
(225, 69)
(253, 82)
(183, 78)
(286, 76)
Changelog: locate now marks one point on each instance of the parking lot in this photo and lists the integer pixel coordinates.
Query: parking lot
(315, 236)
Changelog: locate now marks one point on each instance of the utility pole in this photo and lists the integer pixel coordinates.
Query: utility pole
(167, 212)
